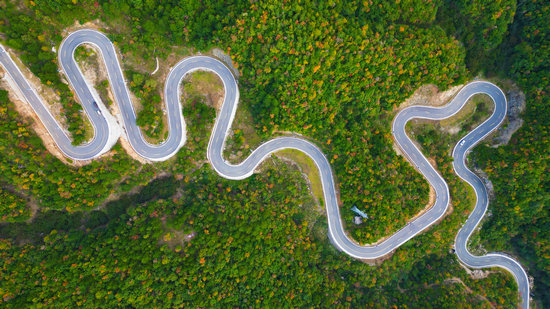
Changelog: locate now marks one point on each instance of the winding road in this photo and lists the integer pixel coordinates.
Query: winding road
(107, 131)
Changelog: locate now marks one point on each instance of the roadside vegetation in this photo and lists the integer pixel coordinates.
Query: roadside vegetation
(519, 171)
(249, 237)
(25, 31)
(26, 167)
(308, 168)
(150, 117)
(332, 71)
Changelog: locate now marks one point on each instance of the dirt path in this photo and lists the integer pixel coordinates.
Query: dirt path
(429, 95)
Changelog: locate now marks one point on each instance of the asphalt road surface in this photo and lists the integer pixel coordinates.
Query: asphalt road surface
(176, 139)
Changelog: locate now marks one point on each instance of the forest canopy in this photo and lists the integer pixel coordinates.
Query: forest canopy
(334, 71)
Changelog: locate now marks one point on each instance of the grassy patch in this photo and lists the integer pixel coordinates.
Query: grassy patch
(204, 84)
(175, 239)
(310, 210)
(307, 167)
(478, 107)
(243, 137)
(203, 81)
(88, 128)
(83, 53)
(102, 89)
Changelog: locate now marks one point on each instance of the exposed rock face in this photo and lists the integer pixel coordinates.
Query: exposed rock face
(485, 178)
(516, 105)
(225, 58)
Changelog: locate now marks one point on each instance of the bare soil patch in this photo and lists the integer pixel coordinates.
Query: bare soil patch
(48, 95)
(430, 95)
(378, 261)
(205, 84)
(92, 24)
(176, 239)
(95, 72)
(477, 273)
(29, 116)
(516, 105)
